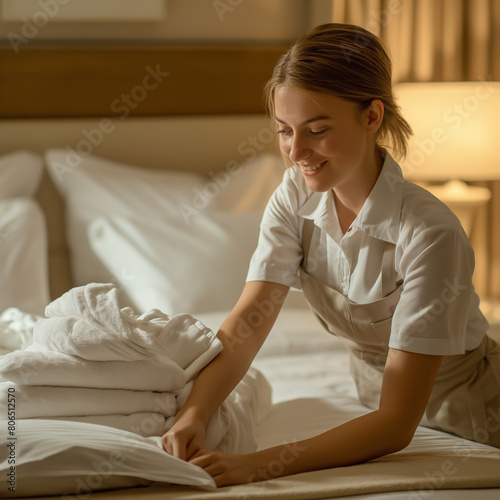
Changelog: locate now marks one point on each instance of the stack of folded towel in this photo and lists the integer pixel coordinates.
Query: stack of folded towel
(92, 361)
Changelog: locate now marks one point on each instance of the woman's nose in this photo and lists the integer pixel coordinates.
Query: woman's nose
(299, 149)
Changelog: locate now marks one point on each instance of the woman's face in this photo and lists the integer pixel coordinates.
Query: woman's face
(327, 137)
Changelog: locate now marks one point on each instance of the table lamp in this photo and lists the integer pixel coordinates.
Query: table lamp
(456, 139)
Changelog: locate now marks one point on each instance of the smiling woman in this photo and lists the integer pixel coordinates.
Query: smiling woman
(372, 254)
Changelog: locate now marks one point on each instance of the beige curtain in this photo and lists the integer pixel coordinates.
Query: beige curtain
(443, 40)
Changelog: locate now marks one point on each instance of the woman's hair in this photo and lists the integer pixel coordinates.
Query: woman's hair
(349, 62)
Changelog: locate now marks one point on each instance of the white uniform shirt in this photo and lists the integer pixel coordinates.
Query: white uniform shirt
(438, 312)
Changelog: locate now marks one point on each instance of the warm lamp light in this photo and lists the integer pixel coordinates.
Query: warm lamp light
(455, 139)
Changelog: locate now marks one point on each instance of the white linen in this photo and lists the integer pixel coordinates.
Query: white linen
(85, 328)
(145, 423)
(197, 264)
(16, 329)
(50, 368)
(93, 186)
(252, 186)
(74, 458)
(40, 401)
(24, 280)
(88, 322)
(438, 312)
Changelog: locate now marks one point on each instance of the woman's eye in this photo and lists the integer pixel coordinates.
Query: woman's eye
(319, 132)
(284, 132)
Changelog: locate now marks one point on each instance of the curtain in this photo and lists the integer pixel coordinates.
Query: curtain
(443, 40)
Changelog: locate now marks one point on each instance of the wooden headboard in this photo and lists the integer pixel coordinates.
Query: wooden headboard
(82, 81)
(171, 107)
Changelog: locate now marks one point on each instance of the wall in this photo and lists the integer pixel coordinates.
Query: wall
(187, 22)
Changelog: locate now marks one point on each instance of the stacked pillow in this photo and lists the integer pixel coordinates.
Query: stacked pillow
(23, 239)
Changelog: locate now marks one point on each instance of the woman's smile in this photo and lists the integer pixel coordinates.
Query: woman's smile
(311, 170)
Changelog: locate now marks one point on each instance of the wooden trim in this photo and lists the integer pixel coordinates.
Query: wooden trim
(84, 81)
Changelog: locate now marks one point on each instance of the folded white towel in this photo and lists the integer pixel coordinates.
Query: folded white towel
(146, 424)
(87, 322)
(42, 401)
(184, 338)
(230, 430)
(30, 367)
(91, 361)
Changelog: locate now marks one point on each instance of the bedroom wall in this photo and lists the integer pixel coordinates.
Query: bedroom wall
(187, 22)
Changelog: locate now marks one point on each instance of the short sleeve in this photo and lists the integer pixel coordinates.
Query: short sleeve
(432, 314)
(279, 250)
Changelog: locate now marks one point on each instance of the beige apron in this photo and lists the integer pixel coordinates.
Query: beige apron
(466, 396)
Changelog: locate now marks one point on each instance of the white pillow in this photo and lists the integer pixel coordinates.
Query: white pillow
(95, 186)
(250, 186)
(54, 457)
(24, 281)
(176, 266)
(20, 174)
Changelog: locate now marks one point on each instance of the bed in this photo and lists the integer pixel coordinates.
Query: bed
(160, 196)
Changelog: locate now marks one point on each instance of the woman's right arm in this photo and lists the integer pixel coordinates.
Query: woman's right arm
(242, 334)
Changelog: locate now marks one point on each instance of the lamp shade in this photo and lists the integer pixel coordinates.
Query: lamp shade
(456, 130)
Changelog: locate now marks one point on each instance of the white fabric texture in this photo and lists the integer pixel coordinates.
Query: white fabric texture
(87, 326)
(90, 316)
(23, 241)
(59, 458)
(23, 256)
(157, 233)
(48, 368)
(438, 312)
(16, 329)
(177, 266)
(103, 187)
(39, 401)
(251, 188)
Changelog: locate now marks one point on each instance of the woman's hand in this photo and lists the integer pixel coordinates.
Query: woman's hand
(185, 438)
(228, 469)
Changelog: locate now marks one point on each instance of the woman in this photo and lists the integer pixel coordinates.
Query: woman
(382, 262)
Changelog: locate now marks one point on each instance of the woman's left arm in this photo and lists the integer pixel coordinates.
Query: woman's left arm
(406, 389)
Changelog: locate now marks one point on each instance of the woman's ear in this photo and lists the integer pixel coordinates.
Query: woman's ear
(375, 115)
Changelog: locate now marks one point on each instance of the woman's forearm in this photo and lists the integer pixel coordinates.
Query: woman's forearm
(367, 437)
(406, 389)
(241, 342)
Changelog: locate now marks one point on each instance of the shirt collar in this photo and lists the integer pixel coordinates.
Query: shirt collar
(380, 214)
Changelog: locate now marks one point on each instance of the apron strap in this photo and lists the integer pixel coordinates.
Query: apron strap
(388, 269)
(307, 230)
